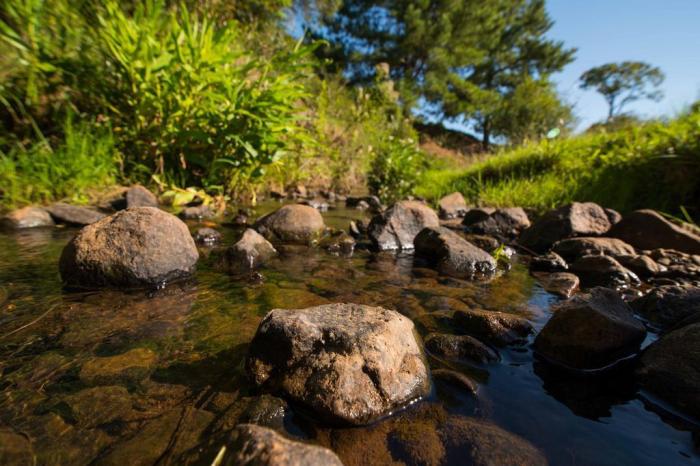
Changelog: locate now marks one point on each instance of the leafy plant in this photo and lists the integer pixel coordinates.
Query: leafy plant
(396, 169)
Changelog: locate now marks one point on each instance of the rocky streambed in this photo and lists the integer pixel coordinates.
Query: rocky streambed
(343, 332)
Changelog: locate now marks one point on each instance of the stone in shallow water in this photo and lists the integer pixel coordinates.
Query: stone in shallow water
(560, 283)
(452, 206)
(591, 331)
(459, 347)
(667, 305)
(295, 223)
(129, 367)
(207, 236)
(27, 217)
(139, 247)
(73, 214)
(495, 327)
(251, 251)
(456, 378)
(99, 405)
(15, 449)
(258, 446)
(138, 196)
(453, 255)
(647, 229)
(602, 271)
(349, 363)
(397, 227)
(504, 223)
(573, 248)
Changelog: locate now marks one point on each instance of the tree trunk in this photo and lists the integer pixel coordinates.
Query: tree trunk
(486, 137)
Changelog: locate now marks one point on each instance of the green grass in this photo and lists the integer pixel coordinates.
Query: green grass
(654, 165)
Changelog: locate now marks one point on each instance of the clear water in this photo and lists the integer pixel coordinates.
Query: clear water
(184, 348)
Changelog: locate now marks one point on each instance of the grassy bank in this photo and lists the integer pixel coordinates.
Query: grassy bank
(653, 165)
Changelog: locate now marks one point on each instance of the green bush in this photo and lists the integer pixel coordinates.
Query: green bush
(396, 169)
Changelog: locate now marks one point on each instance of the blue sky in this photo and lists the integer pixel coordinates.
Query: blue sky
(665, 33)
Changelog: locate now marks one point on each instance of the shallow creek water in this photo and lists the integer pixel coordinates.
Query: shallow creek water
(114, 377)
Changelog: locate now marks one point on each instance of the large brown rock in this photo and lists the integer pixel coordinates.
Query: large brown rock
(573, 248)
(452, 206)
(349, 363)
(670, 368)
(602, 271)
(139, 247)
(74, 215)
(667, 305)
(138, 196)
(591, 331)
(503, 223)
(576, 219)
(259, 446)
(452, 255)
(647, 229)
(26, 217)
(495, 327)
(397, 227)
(294, 223)
(249, 252)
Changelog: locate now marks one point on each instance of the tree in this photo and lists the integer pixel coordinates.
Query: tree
(457, 59)
(623, 83)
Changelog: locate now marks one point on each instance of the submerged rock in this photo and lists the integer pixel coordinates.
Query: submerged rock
(591, 331)
(647, 229)
(339, 243)
(15, 448)
(397, 227)
(576, 219)
(26, 217)
(452, 206)
(295, 223)
(459, 347)
(667, 305)
(139, 247)
(207, 236)
(504, 223)
(197, 212)
(495, 327)
(602, 271)
(453, 255)
(670, 368)
(251, 251)
(349, 363)
(138, 196)
(130, 367)
(560, 283)
(573, 248)
(456, 378)
(259, 446)
(99, 405)
(74, 215)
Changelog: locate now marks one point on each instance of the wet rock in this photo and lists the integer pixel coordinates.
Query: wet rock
(480, 443)
(647, 229)
(670, 368)
(487, 243)
(456, 378)
(99, 405)
(676, 264)
(591, 331)
(251, 251)
(197, 212)
(130, 367)
(265, 410)
(318, 204)
(459, 347)
(643, 266)
(397, 227)
(258, 446)
(602, 271)
(339, 243)
(560, 283)
(207, 236)
(298, 224)
(26, 217)
(138, 196)
(372, 202)
(452, 206)
(15, 449)
(452, 255)
(613, 215)
(576, 219)
(573, 248)
(550, 262)
(444, 303)
(357, 229)
(503, 223)
(495, 327)
(139, 247)
(74, 215)
(349, 363)
(665, 306)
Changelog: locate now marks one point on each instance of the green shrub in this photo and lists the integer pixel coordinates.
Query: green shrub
(396, 169)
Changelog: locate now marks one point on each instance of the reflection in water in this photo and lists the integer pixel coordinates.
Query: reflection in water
(112, 377)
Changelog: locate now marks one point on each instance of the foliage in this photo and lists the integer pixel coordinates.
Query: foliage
(655, 165)
(85, 159)
(458, 59)
(395, 170)
(623, 83)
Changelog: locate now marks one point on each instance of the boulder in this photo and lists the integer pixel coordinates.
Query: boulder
(670, 368)
(294, 223)
(259, 446)
(349, 363)
(207, 236)
(138, 196)
(452, 255)
(503, 223)
(495, 327)
(550, 262)
(602, 271)
(643, 266)
(459, 347)
(613, 215)
(559, 283)
(26, 217)
(667, 305)
(573, 248)
(74, 215)
(139, 247)
(251, 251)
(576, 219)
(590, 331)
(452, 206)
(397, 227)
(647, 229)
